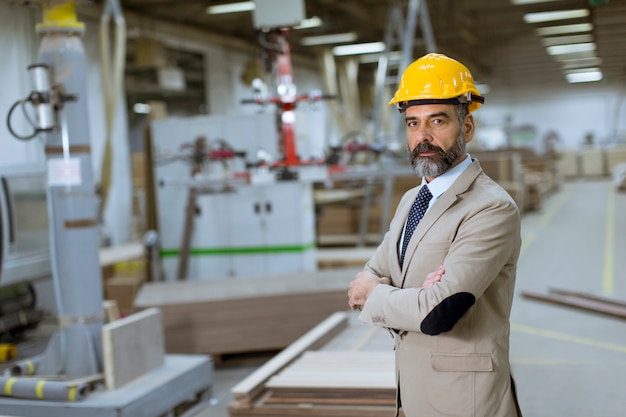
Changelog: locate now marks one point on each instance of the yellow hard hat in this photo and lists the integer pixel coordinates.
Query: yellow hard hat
(437, 79)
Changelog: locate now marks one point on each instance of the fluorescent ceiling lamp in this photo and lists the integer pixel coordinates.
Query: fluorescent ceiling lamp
(359, 48)
(329, 39)
(311, 22)
(575, 55)
(519, 2)
(394, 58)
(564, 40)
(571, 48)
(579, 63)
(142, 108)
(540, 17)
(584, 76)
(564, 29)
(244, 6)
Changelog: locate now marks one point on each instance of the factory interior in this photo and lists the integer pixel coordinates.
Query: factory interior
(188, 187)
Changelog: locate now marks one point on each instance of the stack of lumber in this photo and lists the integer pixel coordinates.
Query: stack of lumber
(343, 257)
(338, 378)
(341, 368)
(592, 162)
(226, 316)
(506, 169)
(527, 176)
(615, 155)
(568, 163)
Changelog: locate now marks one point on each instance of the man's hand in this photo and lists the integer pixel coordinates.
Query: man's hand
(434, 277)
(362, 286)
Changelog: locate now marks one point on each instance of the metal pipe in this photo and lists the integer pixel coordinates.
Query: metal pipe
(25, 367)
(42, 389)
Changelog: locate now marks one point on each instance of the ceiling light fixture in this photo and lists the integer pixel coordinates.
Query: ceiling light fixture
(575, 55)
(359, 48)
(540, 17)
(581, 63)
(142, 108)
(244, 6)
(564, 29)
(519, 2)
(584, 76)
(329, 39)
(571, 48)
(564, 40)
(393, 58)
(311, 22)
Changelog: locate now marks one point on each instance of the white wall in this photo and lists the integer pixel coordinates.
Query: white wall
(572, 112)
(551, 104)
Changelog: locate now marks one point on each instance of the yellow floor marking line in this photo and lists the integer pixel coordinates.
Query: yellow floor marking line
(529, 237)
(609, 246)
(526, 242)
(564, 337)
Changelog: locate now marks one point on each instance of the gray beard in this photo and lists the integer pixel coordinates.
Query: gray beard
(434, 166)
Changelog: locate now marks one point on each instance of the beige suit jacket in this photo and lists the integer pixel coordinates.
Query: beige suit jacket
(452, 339)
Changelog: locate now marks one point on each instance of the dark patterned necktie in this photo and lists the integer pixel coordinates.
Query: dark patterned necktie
(419, 207)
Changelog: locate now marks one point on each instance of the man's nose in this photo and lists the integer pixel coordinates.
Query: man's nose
(421, 134)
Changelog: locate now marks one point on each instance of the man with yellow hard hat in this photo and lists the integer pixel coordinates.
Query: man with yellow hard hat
(442, 280)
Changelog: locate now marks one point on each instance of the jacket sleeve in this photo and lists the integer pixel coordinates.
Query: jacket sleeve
(485, 243)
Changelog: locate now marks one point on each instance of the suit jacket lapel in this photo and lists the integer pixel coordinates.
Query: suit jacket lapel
(438, 208)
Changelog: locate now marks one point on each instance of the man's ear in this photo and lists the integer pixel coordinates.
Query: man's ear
(469, 128)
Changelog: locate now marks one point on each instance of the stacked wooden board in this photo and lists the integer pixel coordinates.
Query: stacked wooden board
(341, 368)
(227, 316)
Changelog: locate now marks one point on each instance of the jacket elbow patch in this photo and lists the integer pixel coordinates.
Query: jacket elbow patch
(443, 317)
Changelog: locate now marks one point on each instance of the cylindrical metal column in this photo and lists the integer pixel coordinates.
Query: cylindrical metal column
(72, 200)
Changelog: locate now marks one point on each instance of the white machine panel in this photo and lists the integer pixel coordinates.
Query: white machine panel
(25, 246)
(278, 13)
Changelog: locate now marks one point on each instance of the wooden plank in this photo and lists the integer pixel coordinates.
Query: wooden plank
(228, 316)
(165, 293)
(587, 296)
(124, 252)
(579, 303)
(337, 370)
(249, 388)
(132, 346)
(342, 257)
(350, 375)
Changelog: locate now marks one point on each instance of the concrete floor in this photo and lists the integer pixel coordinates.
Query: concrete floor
(570, 362)
(566, 362)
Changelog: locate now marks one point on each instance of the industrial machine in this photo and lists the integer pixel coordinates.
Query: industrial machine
(248, 218)
(79, 373)
(24, 248)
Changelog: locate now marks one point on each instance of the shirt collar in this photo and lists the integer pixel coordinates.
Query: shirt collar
(441, 184)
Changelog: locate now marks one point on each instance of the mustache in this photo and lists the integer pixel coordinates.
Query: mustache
(425, 147)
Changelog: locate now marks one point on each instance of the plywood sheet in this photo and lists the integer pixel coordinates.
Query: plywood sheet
(245, 315)
(350, 375)
(132, 346)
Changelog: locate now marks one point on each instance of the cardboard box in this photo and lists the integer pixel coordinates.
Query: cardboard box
(123, 290)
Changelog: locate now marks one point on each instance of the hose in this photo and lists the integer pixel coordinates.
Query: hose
(111, 86)
(13, 132)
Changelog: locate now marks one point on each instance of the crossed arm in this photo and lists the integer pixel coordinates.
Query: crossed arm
(364, 283)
